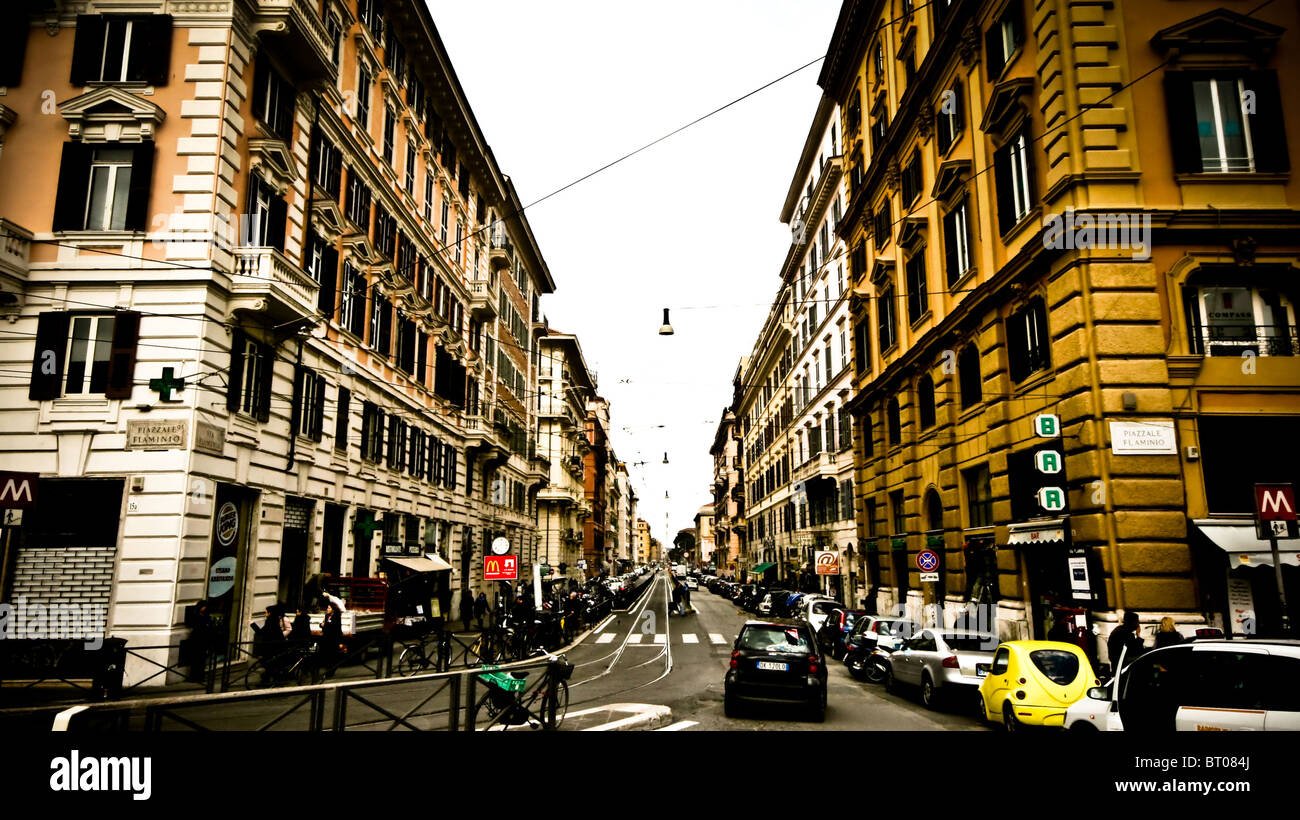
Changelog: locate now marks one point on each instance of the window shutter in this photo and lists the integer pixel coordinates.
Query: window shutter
(238, 342)
(276, 219)
(1267, 132)
(950, 246)
(367, 420)
(48, 356)
(87, 48)
(341, 419)
(298, 411)
(74, 177)
(993, 52)
(1002, 181)
(264, 390)
(259, 85)
(151, 49)
(378, 425)
(318, 409)
(1184, 138)
(1016, 353)
(13, 48)
(121, 361)
(137, 201)
(329, 281)
(385, 327)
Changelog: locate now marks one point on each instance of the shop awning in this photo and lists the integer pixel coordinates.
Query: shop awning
(1049, 531)
(762, 567)
(1244, 549)
(427, 563)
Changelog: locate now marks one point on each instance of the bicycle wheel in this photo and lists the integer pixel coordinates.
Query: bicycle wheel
(412, 662)
(257, 676)
(485, 712)
(555, 705)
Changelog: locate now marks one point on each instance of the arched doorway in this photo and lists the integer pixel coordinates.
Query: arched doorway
(934, 592)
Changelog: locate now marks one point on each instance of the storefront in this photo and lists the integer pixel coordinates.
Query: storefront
(1058, 579)
(1238, 579)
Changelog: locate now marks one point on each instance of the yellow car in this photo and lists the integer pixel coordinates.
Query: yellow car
(1032, 683)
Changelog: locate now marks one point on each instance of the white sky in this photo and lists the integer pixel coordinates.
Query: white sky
(562, 88)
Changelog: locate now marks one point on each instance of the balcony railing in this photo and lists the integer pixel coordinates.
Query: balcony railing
(1236, 340)
(482, 299)
(15, 249)
(500, 251)
(265, 273)
(301, 33)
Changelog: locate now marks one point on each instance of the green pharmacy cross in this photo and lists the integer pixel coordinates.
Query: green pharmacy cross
(164, 386)
(368, 525)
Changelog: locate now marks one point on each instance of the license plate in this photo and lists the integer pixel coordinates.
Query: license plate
(772, 666)
(982, 670)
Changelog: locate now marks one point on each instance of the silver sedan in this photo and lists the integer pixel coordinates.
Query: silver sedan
(942, 663)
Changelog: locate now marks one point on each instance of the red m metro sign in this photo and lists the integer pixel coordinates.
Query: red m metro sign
(500, 568)
(1275, 511)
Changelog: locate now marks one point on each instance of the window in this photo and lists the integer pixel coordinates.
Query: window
(846, 430)
(949, 119)
(1059, 665)
(265, 216)
(358, 204)
(968, 372)
(1232, 470)
(1232, 320)
(370, 13)
(428, 195)
(381, 321)
(918, 303)
(979, 496)
(894, 422)
(410, 168)
(925, 401)
(326, 166)
(1003, 38)
(352, 315)
(1013, 170)
(1027, 341)
(885, 318)
(882, 225)
(273, 99)
(389, 138)
(912, 178)
(104, 187)
(862, 345)
(334, 30)
(363, 98)
(385, 235)
(956, 243)
(308, 403)
(372, 432)
(79, 355)
(252, 365)
(406, 344)
(341, 419)
(396, 442)
(443, 235)
(1226, 122)
(115, 48)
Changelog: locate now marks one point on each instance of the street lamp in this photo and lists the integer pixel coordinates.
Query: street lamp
(666, 329)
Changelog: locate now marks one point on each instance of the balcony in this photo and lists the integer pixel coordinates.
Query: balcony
(265, 281)
(500, 252)
(822, 465)
(15, 252)
(295, 30)
(1238, 340)
(482, 299)
(540, 326)
(480, 432)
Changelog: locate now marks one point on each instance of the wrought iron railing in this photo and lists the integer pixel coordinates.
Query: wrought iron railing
(1234, 340)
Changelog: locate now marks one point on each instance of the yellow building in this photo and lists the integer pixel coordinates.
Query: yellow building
(1082, 212)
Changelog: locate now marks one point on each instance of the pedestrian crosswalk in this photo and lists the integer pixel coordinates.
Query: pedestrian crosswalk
(660, 638)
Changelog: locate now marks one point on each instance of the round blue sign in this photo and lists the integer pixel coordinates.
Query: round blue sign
(927, 560)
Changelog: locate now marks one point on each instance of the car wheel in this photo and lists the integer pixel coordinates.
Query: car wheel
(819, 710)
(857, 666)
(1083, 727)
(730, 706)
(874, 672)
(929, 695)
(1009, 721)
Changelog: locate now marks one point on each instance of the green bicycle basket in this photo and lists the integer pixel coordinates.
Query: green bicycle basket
(505, 681)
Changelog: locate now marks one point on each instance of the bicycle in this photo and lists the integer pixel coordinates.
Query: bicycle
(415, 657)
(488, 648)
(508, 702)
(294, 665)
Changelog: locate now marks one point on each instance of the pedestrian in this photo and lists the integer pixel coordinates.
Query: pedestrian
(1126, 636)
(677, 597)
(300, 632)
(481, 608)
(686, 598)
(1168, 634)
(1061, 630)
(467, 609)
(331, 646)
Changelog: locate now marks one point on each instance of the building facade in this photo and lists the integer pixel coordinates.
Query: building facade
(1069, 368)
(270, 287)
(704, 542)
(565, 386)
(728, 493)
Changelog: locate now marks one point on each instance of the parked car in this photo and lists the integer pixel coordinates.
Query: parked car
(1206, 685)
(835, 629)
(815, 608)
(691, 582)
(869, 632)
(941, 662)
(772, 602)
(776, 661)
(1033, 683)
(747, 596)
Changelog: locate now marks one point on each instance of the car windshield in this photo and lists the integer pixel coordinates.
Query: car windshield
(823, 607)
(788, 640)
(892, 628)
(1058, 664)
(970, 643)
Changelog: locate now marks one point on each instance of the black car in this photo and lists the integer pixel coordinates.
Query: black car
(776, 661)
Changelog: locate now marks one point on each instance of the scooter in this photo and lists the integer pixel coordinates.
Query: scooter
(876, 669)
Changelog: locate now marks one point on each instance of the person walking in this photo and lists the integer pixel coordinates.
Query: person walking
(1126, 636)
(677, 597)
(686, 598)
(481, 609)
(467, 609)
(1168, 634)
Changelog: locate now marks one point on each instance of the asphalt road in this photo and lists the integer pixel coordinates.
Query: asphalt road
(644, 657)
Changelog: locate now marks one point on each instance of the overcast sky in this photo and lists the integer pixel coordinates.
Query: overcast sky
(562, 87)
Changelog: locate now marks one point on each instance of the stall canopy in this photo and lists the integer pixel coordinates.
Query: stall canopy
(1244, 549)
(762, 567)
(427, 563)
(1051, 531)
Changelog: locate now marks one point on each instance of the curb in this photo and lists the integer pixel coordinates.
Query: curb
(643, 717)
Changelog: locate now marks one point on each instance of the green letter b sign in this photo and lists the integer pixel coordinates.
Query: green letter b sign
(1047, 425)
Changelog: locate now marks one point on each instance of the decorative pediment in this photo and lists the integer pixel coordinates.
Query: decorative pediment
(912, 231)
(1007, 102)
(883, 270)
(272, 159)
(360, 248)
(950, 178)
(1219, 32)
(110, 114)
(328, 219)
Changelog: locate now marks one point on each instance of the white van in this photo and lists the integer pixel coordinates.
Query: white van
(1202, 686)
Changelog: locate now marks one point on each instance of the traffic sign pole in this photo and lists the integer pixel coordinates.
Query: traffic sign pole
(1274, 504)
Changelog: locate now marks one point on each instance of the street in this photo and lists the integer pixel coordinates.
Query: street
(643, 656)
